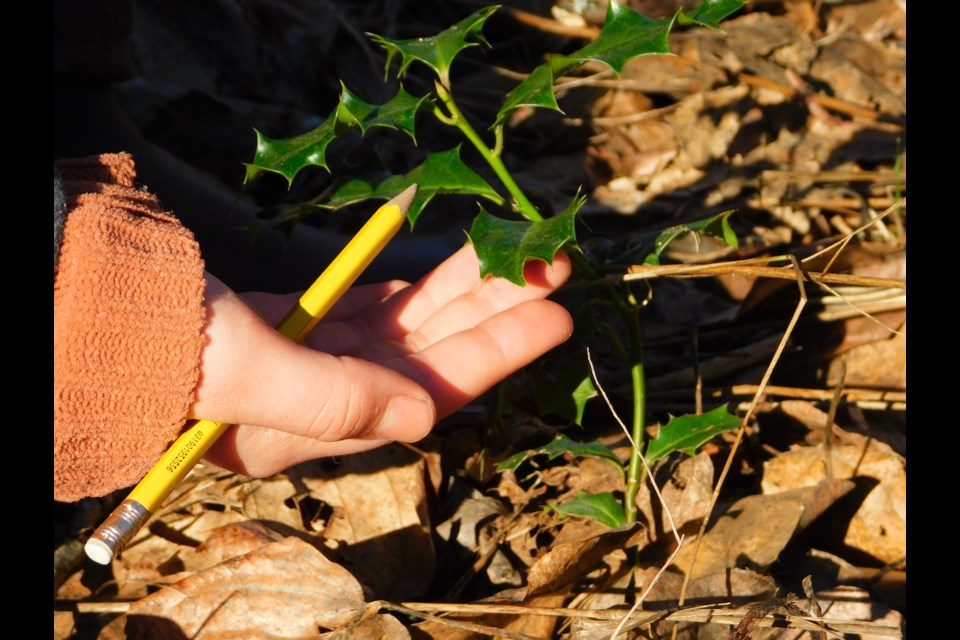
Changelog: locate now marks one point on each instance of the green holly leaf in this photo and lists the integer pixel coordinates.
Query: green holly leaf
(626, 35)
(290, 155)
(400, 113)
(687, 433)
(602, 507)
(441, 173)
(716, 226)
(439, 51)
(537, 89)
(709, 13)
(559, 446)
(287, 157)
(567, 391)
(562, 445)
(504, 246)
(513, 462)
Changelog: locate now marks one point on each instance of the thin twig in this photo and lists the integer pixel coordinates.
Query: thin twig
(703, 614)
(831, 415)
(549, 25)
(854, 396)
(747, 268)
(653, 581)
(457, 624)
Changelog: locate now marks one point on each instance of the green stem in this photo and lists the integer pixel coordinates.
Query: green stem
(523, 204)
(635, 472)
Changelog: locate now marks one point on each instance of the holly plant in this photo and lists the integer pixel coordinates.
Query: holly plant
(504, 245)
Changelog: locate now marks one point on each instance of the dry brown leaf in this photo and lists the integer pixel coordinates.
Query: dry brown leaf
(465, 525)
(686, 488)
(378, 627)
(522, 535)
(755, 529)
(537, 626)
(576, 530)
(596, 475)
(156, 554)
(286, 589)
(380, 523)
(62, 625)
(509, 489)
(567, 562)
(436, 630)
(809, 416)
(737, 586)
(229, 541)
(826, 569)
(267, 499)
(879, 526)
(881, 364)
(473, 534)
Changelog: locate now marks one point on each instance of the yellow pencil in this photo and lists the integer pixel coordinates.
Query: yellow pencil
(127, 519)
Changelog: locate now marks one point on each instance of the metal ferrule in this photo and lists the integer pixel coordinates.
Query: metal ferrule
(113, 535)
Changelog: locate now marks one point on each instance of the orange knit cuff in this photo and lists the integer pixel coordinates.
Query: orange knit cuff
(128, 329)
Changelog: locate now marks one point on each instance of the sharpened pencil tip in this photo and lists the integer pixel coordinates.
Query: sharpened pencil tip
(404, 199)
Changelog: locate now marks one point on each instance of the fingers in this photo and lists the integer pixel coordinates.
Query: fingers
(454, 371)
(273, 307)
(450, 299)
(460, 367)
(417, 352)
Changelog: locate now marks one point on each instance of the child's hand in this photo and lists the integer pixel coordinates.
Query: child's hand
(384, 364)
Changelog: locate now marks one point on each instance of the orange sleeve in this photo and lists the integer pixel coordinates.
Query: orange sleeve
(127, 332)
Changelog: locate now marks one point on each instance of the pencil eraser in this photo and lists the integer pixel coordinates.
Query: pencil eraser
(98, 551)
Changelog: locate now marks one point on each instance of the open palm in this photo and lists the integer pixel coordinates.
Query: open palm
(385, 363)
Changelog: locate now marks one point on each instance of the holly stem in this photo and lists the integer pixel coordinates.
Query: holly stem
(522, 203)
(635, 470)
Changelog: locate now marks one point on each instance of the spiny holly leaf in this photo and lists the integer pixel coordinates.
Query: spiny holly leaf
(400, 113)
(504, 246)
(562, 445)
(626, 35)
(288, 156)
(513, 462)
(709, 13)
(717, 226)
(602, 507)
(437, 52)
(559, 446)
(536, 90)
(566, 393)
(441, 173)
(686, 433)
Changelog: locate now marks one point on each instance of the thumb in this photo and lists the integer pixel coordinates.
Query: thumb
(250, 374)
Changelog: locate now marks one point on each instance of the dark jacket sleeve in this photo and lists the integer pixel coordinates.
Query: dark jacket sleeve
(59, 214)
